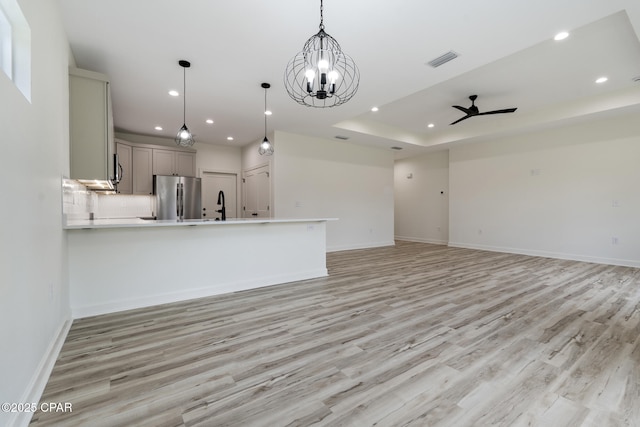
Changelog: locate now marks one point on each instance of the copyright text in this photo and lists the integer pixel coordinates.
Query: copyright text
(33, 407)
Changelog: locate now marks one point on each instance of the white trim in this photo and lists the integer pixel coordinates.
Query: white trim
(36, 386)
(546, 254)
(420, 240)
(360, 246)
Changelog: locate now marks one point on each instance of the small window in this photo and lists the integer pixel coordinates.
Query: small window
(5, 43)
(15, 46)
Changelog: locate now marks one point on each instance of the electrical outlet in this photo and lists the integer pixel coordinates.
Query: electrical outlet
(614, 240)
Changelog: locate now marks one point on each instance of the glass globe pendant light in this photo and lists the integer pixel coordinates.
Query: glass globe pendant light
(321, 75)
(184, 137)
(266, 148)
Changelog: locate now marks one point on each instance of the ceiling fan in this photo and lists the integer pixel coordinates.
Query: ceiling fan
(473, 110)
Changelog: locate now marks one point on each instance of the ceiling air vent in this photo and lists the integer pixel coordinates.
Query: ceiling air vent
(344, 138)
(443, 59)
(396, 148)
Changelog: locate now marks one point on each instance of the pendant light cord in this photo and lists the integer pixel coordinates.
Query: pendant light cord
(321, 16)
(265, 112)
(184, 95)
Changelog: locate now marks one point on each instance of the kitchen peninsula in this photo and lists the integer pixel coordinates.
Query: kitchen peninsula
(121, 264)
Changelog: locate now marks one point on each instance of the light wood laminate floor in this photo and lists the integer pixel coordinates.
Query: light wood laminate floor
(416, 334)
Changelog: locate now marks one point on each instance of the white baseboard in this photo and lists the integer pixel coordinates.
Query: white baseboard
(38, 382)
(546, 254)
(421, 240)
(360, 246)
(151, 300)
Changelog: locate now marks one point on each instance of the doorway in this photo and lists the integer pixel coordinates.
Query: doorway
(212, 184)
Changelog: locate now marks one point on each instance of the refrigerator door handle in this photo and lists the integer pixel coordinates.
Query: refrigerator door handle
(178, 201)
(181, 201)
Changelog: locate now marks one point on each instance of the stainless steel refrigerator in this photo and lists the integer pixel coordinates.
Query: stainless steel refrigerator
(177, 197)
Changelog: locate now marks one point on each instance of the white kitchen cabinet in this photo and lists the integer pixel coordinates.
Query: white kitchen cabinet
(125, 186)
(142, 170)
(141, 161)
(91, 144)
(185, 163)
(171, 162)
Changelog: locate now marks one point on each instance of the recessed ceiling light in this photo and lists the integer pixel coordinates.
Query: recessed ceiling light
(430, 125)
(209, 121)
(374, 109)
(268, 113)
(601, 79)
(174, 93)
(561, 36)
(229, 138)
(158, 128)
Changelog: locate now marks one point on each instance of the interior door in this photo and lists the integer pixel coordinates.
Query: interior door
(257, 193)
(212, 184)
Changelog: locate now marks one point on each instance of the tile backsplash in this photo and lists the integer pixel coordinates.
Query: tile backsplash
(124, 206)
(79, 203)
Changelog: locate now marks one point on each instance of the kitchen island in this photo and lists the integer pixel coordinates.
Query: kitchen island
(121, 264)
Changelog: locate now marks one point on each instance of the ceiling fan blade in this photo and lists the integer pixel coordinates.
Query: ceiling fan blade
(464, 110)
(459, 120)
(507, 110)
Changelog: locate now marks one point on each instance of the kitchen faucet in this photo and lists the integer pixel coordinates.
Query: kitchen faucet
(222, 210)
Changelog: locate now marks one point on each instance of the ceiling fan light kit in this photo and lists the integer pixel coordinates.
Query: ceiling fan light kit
(184, 138)
(321, 75)
(473, 110)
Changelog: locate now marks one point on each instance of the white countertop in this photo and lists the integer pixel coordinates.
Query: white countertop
(139, 222)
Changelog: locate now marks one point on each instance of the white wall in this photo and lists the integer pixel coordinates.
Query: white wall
(215, 158)
(421, 192)
(563, 193)
(34, 297)
(250, 156)
(324, 178)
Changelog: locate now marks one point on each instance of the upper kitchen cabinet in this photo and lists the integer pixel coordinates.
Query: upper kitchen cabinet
(174, 162)
(141, 161)
(90, 125)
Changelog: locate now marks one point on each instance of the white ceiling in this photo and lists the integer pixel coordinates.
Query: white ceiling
(507, 56)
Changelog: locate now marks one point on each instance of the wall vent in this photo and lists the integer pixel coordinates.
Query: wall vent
(443, 59)
(342, 137)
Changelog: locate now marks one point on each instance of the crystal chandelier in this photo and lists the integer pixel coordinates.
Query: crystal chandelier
(322, 75)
